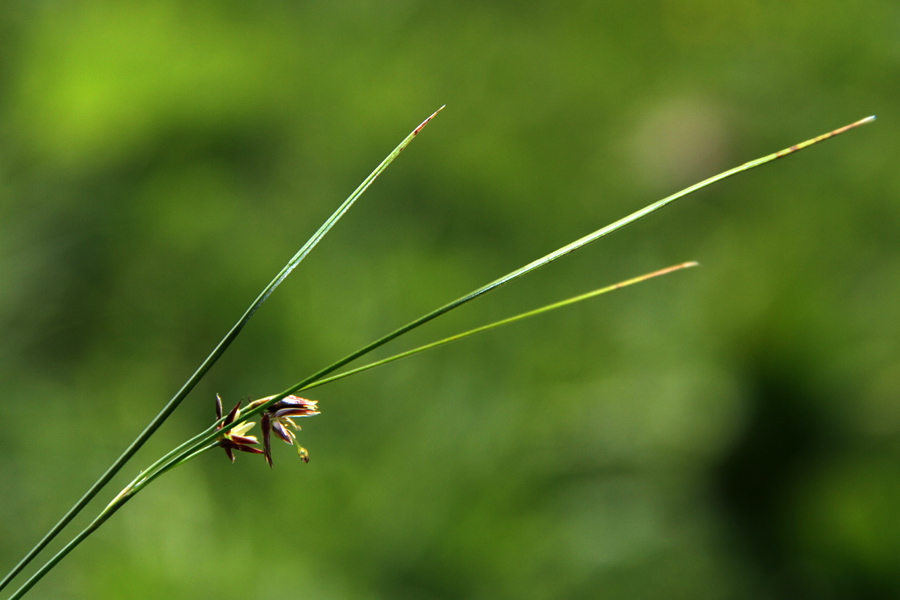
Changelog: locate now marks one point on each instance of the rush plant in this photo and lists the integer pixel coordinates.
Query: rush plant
(230, 431)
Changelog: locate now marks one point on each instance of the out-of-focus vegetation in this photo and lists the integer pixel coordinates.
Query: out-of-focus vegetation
(731, 432)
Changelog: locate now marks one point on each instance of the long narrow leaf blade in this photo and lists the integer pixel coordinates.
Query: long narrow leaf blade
(577, 244)
(507, 321)
(329, 223)
(214, 356)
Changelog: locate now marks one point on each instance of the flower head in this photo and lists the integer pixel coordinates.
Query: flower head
(235, 439)
(278, 418)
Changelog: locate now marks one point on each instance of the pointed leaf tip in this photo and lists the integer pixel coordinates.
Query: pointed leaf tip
(425, 122)
(685, 265)
(868, 119)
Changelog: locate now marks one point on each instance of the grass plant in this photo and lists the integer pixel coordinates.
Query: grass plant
(229, 430)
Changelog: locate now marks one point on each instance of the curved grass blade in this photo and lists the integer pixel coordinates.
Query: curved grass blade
(176, 400)
(544, 260)
(507, 321)
(577, 244)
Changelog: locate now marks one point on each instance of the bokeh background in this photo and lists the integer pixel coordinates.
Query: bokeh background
(725, 432)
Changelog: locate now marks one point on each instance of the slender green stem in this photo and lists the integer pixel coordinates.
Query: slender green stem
(189, 450)
(184, 451)
(577, 244)
(95, 524)
(139, 483)
(213, 357)
(507, 321)
(180, 449)
(195, 445)
(544, 260)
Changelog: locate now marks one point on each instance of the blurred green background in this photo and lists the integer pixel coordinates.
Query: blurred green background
(726, 432)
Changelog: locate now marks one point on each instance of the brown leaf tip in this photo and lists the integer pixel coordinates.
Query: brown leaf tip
(425, 122)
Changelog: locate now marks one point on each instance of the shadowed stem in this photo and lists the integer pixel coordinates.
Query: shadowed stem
(169, 408)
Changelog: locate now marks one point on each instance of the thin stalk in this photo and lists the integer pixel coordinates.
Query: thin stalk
(176, 400)
(189, 450)
(544, 260)
(507, 321)
(95, 524)
(186, 450)
(140, 482)
(577, 244)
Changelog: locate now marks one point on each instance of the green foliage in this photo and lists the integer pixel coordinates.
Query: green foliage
(731, 437)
